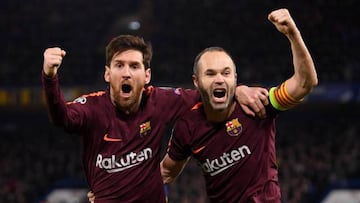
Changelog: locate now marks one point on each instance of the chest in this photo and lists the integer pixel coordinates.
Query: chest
(119, 134)
(237, 136)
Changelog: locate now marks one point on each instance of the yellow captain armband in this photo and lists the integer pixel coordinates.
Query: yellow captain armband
(280, 98)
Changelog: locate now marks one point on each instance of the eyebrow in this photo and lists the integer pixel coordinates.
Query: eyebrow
(213, 69)
(130, 62)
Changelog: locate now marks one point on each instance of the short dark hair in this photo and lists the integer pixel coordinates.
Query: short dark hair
(209, 49)
(125, 42)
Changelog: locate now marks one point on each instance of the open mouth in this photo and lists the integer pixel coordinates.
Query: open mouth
(219, 93)
(126, 88)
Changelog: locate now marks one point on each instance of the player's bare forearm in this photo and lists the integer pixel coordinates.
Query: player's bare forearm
(304, 78)
(171, 169)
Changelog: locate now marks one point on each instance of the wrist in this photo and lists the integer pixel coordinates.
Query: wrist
(49, 74)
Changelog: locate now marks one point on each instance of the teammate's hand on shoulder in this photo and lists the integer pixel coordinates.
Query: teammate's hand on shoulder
(252, 100)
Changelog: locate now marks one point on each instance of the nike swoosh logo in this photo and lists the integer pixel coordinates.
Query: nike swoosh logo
(109, 139)
(195, 151)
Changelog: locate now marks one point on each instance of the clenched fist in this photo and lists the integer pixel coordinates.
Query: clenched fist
(52, 60)
(283, 21)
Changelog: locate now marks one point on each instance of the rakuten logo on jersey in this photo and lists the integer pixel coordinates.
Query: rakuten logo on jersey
(216, 166)
(116, 164)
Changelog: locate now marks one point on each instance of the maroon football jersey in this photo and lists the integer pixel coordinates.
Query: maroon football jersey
(237, 157)
(121, 153)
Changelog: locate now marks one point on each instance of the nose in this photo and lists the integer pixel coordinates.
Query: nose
(126, 72)
(219, 79)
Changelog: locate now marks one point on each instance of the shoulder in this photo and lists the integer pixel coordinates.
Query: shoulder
(152, 90)
(171, 96)
(93, 97)
(194, 116)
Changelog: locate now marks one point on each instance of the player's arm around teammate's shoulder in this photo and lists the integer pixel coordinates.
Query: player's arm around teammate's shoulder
(252, 100)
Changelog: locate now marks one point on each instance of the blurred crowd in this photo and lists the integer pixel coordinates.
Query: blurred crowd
(178, 30)
(35, 157)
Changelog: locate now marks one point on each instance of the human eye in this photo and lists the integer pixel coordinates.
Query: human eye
(210, 73)
(135, 66)
(226, 72)
(118, 65)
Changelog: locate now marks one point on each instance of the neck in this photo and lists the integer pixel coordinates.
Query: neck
(128, 107)
(216, 116)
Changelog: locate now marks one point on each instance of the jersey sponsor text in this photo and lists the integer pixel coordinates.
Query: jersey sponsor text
(115, 164)
(216, 166)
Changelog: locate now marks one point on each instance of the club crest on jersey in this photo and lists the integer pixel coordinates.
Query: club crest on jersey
(233, 127)
(145, 129)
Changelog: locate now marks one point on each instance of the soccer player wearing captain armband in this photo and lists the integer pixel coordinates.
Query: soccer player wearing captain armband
(236, 152)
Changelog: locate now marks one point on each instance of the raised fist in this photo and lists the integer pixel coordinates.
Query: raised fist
(52, 60)
(283, 21)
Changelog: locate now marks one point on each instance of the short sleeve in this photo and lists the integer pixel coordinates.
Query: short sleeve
(179, 147)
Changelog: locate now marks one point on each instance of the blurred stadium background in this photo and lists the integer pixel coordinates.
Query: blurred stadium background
(318, 144)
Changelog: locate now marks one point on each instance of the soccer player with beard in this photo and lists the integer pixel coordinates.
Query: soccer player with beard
(237, 152)
(121, 128)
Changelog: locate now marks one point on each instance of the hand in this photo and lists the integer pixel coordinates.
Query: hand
(52, 60)
(282, 20)
(252, 100)
(91, 196)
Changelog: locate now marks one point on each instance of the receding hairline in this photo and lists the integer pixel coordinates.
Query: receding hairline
(210, 50)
